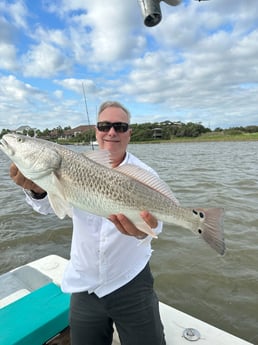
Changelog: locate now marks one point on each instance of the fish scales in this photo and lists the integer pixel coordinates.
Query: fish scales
(95, 183)
(72, 179)
(114, 187)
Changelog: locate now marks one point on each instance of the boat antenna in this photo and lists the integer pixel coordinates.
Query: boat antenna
(87, 113)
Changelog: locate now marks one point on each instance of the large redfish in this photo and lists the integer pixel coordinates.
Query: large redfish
(90, 183)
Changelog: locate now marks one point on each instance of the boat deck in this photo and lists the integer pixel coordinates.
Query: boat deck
(179, 327)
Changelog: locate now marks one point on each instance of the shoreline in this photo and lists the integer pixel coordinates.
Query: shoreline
(203, 138)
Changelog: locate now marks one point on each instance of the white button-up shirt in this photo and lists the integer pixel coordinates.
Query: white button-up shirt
(102, 259)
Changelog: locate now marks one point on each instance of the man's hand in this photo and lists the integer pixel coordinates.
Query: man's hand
(126, 227)
(22, 181)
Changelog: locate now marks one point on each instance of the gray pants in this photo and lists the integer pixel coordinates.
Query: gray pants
(133, 308)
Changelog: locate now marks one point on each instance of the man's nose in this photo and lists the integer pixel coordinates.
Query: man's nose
(112, 131)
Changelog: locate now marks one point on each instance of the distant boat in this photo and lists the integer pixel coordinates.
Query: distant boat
(94, 143)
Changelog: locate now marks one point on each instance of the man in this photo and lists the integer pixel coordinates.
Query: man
(108, 273)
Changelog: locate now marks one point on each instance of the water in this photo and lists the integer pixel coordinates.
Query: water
(189, 276)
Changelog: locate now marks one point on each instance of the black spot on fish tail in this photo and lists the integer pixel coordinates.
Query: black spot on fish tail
(201, 215)
(211, 230)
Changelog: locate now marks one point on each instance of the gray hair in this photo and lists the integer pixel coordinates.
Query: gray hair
(115, 104)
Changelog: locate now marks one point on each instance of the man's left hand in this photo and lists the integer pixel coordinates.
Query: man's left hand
(126, 227)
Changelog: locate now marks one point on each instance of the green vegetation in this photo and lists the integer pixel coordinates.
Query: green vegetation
(166, 131)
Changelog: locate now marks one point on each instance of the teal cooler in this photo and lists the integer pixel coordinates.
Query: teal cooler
(35, 318)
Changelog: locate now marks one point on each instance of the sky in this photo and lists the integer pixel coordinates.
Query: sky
(60, 59)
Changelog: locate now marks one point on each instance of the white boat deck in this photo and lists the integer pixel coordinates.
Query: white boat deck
(178, 325)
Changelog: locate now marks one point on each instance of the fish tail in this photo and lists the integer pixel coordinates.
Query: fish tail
(211, 229)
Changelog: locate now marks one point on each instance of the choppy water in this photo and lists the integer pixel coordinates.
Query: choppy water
(189, 275)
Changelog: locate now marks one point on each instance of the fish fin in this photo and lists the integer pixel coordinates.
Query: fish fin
(57, 200)
(141, 225)
(211, 229)
(60, 206)
(101, 157)
(149, 179)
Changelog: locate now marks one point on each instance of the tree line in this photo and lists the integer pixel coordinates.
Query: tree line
(166, 130)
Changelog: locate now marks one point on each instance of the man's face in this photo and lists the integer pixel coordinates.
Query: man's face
(113, 141)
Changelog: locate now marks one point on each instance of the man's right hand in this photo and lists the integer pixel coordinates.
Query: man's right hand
(22, 181)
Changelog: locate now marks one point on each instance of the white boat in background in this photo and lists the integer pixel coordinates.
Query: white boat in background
(34, 311)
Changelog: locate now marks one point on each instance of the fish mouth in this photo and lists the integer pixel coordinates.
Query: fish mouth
(3, 143)
(5, 147)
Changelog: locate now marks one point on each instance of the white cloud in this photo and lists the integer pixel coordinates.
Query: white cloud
(58, 94)
(21, 103)
(16, 12)
(44, 60)
(8, 56)
(77, 85)
(102, 28)
(18, 91)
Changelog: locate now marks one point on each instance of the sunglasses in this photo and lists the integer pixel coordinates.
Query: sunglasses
(119, 127)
